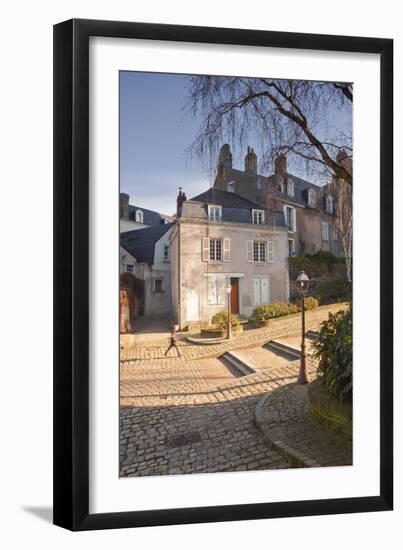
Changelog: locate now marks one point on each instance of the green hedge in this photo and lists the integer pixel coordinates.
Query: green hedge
(220, 320)
(315, 264)
(280, 309)
(334, 349)
(337, 290)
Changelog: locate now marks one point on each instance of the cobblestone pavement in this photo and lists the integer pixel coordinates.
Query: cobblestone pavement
(190, 414)
(284, 416)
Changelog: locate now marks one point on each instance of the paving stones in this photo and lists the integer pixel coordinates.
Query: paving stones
(284, 418)
(166, 401)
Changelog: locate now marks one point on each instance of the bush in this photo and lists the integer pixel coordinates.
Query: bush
(316, 265)
(334, 349)
(220, 320)
(279, 309)
(311, 303)
(337, 290)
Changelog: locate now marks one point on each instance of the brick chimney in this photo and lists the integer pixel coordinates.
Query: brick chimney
(180, 199)
(124, 206)
(251, 161)
(280, 171)
(225, 157)
(345, 160)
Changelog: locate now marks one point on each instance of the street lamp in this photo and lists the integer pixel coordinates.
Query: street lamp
(228, 291)
(302, 285)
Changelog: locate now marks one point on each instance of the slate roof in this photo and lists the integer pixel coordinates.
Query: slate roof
(236, 208)
(301, 187)
(140, 243)
(150, 217)
(225, 198)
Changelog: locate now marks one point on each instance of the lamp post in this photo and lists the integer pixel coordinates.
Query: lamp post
(302, 285)
(228, 291)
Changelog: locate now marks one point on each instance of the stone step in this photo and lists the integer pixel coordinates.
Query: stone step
(239, 365)
(284, 349)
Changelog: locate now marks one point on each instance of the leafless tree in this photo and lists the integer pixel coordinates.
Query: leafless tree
(291, 116)
(343, 220)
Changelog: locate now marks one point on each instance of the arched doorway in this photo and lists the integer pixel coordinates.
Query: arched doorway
(131, 300)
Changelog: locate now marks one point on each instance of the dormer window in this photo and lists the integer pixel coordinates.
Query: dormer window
(312, 198)
(329, 204)
(139, 216)
(258, 217)
(290, 187)
(214, 213)
(231, 186)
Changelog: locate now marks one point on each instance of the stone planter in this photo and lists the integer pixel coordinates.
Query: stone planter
(336, 414)
(212, 332)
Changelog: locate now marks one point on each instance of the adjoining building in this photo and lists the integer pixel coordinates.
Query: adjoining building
(221, 238)
(145, 272)
(134, 217)
(308, 208)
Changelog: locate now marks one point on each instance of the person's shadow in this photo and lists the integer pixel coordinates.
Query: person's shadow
(45, 513)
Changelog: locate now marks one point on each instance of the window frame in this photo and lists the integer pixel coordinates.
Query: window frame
(325, 225)
(130, 270)
(292, 229)
(329, 198)
(312, 198)
(141, 214)
(258, 213)
(258, 244)
(214, 207)
(215, 249)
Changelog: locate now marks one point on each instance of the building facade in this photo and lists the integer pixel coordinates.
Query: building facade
(145, 269)
(222, 238)
(308, 208)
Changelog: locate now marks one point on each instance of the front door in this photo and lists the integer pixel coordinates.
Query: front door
(234, 296)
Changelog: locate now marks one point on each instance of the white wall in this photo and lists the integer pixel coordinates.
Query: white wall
(26, 349)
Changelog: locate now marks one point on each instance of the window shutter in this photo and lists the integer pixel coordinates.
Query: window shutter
(212, 290)
(270, 251)
(205, 249)
(249, 251)
(221, 294)
(227, 249)
(256, 291)
(264, 291)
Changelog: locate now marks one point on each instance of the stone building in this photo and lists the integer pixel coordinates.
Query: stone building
(145, 273)
(308, 208)
(134, 217)
(222, 238)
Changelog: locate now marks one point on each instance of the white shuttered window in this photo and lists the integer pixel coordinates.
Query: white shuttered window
(216, 250)
(261, 294)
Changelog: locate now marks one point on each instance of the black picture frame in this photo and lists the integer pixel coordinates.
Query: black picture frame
(71, 274)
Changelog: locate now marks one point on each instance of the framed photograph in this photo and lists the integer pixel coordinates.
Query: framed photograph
(223, 303)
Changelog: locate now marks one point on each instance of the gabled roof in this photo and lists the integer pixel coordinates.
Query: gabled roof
(150, 217)
(140, 243)
(226, 199)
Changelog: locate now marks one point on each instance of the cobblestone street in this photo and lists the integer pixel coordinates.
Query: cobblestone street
(191, 414)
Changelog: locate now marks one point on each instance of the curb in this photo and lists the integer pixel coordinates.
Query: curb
(297, 459)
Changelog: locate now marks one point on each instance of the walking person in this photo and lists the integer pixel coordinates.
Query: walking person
(174, 341)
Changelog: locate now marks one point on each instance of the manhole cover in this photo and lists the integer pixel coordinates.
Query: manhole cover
(184, 439)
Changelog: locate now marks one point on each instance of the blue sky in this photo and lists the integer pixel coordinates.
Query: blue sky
(155, 134)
